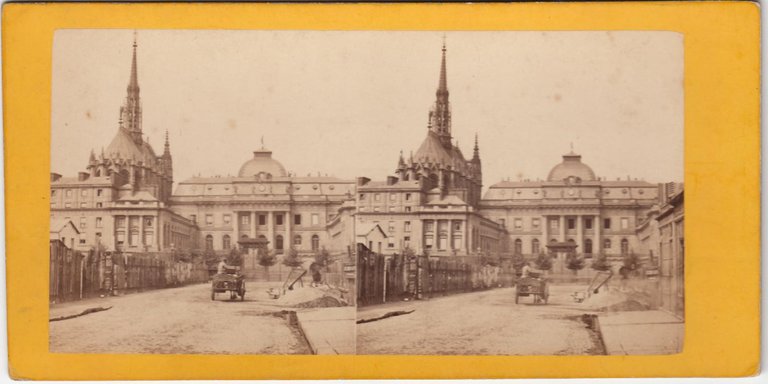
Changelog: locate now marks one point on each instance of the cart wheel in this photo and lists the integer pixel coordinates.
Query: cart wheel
(213, 295)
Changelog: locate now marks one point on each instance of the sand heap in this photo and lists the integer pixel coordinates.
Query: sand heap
(312, 297)
(614, 300)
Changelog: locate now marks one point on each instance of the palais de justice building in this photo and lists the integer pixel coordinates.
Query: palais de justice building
(432, 203)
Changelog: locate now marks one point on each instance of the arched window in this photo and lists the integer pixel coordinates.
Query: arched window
(607, 244)
(297, 241)
(624, 246)
(279, 242)
(226, 242)
(588, 246)
(518, 246)
(315, 242)
(535, 246)
(209, 242)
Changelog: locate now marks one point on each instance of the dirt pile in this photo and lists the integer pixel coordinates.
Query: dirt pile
(613, 300)
(312, 297)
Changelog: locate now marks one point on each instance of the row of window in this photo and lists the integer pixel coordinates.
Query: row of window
(226, 242)
(570, 223)
(391, 209)
(442, 225)
(134, 238)
(83, 192)
(536, 249)
(133, 222)
(261, 219)
(82, 205)
(392, 196)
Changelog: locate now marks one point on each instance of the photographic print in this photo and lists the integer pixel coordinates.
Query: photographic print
(361, 192)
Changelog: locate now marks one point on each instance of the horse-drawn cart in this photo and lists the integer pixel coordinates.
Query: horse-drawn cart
(231, 281)
(532, 286)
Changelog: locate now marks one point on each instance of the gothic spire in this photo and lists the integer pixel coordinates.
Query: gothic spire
(130, 112)
(167, 150)
(476, 154)
(440, 115)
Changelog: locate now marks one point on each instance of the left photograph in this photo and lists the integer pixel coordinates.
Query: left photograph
(185, 218)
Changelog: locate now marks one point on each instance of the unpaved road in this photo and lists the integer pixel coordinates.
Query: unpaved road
(178, 320)
(480, 323)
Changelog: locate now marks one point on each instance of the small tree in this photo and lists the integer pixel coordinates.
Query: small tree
(292, 258)
(601, 263)
(210, 259)
(235, 257)
(518, 262)
(323, 258)
(574, 262)
(543, 262)
(266, 259)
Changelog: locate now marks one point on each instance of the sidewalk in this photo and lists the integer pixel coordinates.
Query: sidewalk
(641, 332)
(329, 331)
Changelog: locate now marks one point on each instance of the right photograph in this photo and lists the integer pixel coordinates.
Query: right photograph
(559, 230)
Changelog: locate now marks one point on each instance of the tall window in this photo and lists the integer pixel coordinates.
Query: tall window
(98, 222)
(262, 219)
(624, 246)
(571, 223)
(407, 226)
(226, 242)
(279, 219)
(607, 244)
(518, 246)
(297, 240)
(148, 222)
(315, 219)
(588, 246)
(588, 223)
(208, 219)
(535, 246)
(518, 224)
(83, 222)
(227, 219)
(279, 242)
(297, 219)
(607, 223)
(98, 192)
(535, 222)
(407, 197)
(624, 223)
(245, 219)
(120, 222)
(315, 242)
(209, 242)
(554, 224)
(429, 226)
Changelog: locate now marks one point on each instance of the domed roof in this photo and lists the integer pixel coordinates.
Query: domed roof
(571, 166)
(262, 162)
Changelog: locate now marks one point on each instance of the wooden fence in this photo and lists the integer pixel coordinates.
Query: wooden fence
(77, 275)
(383, 278)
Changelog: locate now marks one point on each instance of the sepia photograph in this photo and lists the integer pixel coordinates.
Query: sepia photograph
(366, 192)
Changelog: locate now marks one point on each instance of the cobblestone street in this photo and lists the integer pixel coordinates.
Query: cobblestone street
(180, 320)
(480, 323)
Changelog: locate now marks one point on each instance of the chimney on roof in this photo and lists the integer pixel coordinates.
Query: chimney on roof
(391, 180)
(55, 177)
(362, 181)
(82, 176)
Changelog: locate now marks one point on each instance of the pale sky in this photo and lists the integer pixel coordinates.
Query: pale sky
(346, 103)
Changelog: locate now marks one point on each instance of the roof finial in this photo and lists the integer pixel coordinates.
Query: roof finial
(443, 86)
(167, 143)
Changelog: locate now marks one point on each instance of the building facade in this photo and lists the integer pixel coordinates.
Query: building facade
(431, 204)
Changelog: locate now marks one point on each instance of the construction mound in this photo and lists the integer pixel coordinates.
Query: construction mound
(612, 301)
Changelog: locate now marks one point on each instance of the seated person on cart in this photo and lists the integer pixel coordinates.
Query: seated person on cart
(224, 268)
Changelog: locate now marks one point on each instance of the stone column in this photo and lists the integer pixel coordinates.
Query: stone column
(545, 232)
(235, 228)
(271, 229)
(597, 244)
(288, 241)
(141, 232)
(562, 228)
(579, 234)
(253, 224)
(157, 246)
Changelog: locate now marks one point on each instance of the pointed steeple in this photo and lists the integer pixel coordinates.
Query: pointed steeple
(476, 154)
(440, 115)
(167, 149)
(92, 157)
(401, 161)
(443, 85)
(130, 112)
